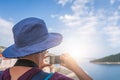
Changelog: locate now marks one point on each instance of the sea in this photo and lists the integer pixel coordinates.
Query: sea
(101, 71)
(98, 71)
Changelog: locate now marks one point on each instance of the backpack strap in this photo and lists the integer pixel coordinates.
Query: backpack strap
(49, 76)
(1, 72)
(42, 76)
(1, 75)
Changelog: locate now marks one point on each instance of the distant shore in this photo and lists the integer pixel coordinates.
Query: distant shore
(106, 62)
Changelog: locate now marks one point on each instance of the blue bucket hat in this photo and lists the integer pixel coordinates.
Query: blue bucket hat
(31, 36)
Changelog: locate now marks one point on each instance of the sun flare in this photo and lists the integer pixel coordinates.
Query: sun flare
(76, 48)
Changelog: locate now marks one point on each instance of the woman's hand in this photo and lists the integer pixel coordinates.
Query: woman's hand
(68, 62)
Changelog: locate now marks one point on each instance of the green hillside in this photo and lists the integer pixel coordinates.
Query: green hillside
(111, 58)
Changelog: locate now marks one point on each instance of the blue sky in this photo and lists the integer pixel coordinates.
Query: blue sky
(90, 27)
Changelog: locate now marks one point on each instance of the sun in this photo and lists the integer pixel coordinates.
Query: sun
(76, 48)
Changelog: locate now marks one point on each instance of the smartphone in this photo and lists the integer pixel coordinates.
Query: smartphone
(55, 60)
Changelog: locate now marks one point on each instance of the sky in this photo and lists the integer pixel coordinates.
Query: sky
(91, 28)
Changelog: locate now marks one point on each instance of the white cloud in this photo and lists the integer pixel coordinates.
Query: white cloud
(119, 7)
(93, 28)
(53, 15)
(63, 2)
(5, 23)
(5, 32)
(112, 1)
(79, 7)
(70, 20)
(50, 29)
(113, 33)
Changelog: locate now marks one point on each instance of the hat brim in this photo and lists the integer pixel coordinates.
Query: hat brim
(53, 40)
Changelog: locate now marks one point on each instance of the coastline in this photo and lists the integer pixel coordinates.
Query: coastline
(106, 62)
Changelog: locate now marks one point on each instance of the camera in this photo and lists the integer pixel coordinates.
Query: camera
(55, 60)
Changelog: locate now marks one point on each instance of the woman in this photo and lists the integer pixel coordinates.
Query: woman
(32, 41)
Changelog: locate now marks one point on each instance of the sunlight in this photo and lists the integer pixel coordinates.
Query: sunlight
(76, 48)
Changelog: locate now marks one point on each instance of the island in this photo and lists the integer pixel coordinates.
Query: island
(111, 59)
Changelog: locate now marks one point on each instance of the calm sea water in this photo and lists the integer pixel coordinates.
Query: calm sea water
(101, 72)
